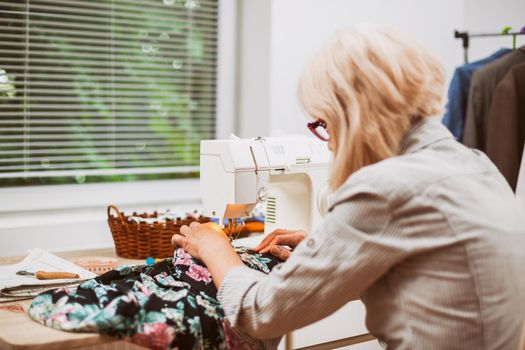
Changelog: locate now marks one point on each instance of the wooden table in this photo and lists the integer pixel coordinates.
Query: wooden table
(18, 331)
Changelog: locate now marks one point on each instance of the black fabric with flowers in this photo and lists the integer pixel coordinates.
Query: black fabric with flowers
(171, 304)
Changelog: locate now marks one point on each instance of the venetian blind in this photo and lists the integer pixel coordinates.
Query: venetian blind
(111, 89)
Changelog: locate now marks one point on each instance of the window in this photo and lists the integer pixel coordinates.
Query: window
(105, 90)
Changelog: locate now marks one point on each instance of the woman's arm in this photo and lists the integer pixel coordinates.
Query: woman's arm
(355, 245)
(220, 261)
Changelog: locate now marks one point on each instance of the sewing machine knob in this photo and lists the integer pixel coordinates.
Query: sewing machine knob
(262, 193)
(323, 198)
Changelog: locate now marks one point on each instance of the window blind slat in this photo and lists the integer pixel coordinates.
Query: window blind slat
(206, 30)
(160, 23)
(100, 150)
(100, 172)
(76, 11)
(83, 44)
(105, 91)
(104, 99)
(82, 165)
(94, 107)
(39, 79)
(105, 88)
(161, 39)
(74, 8)
(96, 143)
(123, 10)
(136, 32)
(153, 66)
(126, 4)
(120, 74)
(136, 122)
(100, 42)
(86, 45)
(95, 129)
(51, 160)
(46, 23)
(98, 136)
(82, 114)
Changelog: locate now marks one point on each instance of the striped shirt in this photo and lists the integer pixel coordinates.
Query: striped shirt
(432, 241)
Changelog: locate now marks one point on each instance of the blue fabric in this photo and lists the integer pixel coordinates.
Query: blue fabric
(458, 93)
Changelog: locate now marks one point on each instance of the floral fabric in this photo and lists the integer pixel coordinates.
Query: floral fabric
(171, 304)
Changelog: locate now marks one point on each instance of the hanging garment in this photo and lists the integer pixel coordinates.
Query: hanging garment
(520, 187)
(171, 304)
(458, 90)
(482, 86)
(506, 124)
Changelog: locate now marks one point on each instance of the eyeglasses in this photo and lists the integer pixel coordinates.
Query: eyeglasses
(318, 128)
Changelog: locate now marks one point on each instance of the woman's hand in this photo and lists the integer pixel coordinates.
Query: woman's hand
(201, 239)
(207, 242)
(277, 242)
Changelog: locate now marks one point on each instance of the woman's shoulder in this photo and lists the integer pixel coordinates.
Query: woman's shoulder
(389, 178)
(408, 175)
(425, 172)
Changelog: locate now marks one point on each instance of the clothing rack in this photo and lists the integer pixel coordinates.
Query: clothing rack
(465, 37)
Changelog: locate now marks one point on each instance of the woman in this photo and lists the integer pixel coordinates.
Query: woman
(425, 231)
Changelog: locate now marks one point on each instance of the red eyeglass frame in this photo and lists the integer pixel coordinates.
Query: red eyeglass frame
(314, 125)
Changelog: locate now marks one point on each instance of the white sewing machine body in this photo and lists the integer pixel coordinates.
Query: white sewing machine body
(289, 173)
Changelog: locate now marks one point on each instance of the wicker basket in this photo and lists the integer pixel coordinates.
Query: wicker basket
(142, 240)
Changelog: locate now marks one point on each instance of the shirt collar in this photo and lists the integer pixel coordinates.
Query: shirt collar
(422, 134)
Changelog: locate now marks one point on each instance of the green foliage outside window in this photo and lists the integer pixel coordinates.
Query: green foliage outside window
(135, 92)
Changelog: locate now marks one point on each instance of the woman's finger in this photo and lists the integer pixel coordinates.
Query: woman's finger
(178, 240)
(212, 226)
(266, 241)
(267, 246)
(280, 252)
(184, 230)
(290, 239)
(194, 224)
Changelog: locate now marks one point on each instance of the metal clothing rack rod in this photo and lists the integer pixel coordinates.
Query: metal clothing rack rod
(465, 37)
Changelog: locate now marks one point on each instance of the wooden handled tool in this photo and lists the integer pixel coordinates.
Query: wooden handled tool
(45, 275)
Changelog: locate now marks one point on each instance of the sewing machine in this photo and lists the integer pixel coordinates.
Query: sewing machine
(289, 174)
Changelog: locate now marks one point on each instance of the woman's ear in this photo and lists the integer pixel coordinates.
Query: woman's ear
(331, 144)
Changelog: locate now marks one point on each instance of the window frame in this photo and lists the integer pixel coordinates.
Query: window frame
(60, 198)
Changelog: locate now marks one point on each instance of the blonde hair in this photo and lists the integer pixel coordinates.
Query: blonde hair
(370, 84)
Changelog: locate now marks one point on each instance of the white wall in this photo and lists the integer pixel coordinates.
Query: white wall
(489, 16)
(299, 27)
(253, 70)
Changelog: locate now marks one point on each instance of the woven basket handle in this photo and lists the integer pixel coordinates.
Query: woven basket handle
(117, 210)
